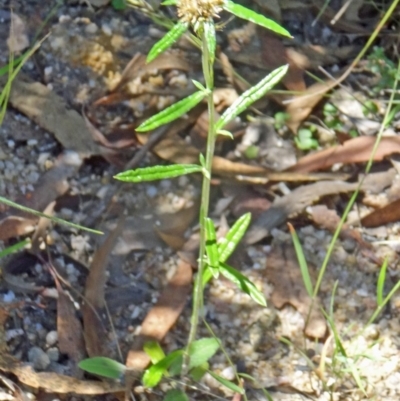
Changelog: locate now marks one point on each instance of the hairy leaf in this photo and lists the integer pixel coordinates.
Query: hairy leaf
(250, 96)
(243, 283)
(168, 40)
(172, 112)
(229, 243)
(252, 16)
(157, 172)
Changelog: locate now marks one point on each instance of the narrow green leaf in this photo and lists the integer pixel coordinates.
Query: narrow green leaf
(169, 3)
(173, 112)
(103, 366)
(176, 394)
(227, 383)
(167, 41)
(211, 247)
(154, 373)
(243, 283)
(52, 218)
(209, 33)
(4, 70)
(381, 283)
(250, 96)
(157, 172)
(252, 16)
(14, 248)
(302, 262)
(154, 351)
(229, 243)
(202, 350)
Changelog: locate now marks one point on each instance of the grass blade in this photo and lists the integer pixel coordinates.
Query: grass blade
(302, 261)
(52, 218)
(381, 283)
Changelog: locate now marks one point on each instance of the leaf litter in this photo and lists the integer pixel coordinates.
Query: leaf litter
(230, 312)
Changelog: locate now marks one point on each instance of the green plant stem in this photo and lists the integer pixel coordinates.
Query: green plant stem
(205, 198)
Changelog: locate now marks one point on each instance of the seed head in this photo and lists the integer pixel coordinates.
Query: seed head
(195, 11)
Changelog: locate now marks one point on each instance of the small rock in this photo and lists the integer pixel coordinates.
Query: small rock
(39, 359)
(106, 29)
(9, 297)
(229, 373)
(53, 353)
(51, 338)
(33, 142)
(91, 28)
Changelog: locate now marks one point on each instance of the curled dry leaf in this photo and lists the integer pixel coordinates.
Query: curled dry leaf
(284, 273)
(302, 105)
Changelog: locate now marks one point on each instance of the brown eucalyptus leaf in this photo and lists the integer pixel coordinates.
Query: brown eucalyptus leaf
(162, 316)
(93, 308)
(355, 150)
(50, 112)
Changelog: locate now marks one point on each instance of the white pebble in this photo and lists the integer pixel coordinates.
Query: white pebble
(229, 373)
(51, 337)
(11, 144)
(33, 142)
(91, 28)
(106, 29)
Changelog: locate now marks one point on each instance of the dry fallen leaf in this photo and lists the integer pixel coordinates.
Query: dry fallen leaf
(69, 329)
(50, 112)
(387, 214)
(301, 106)
(18, 39)
(356, 150)
(93, 308)
(296, 201)
(47, 381)
(50, 186)
(275, 54)
(162, 316)
(284, 273)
